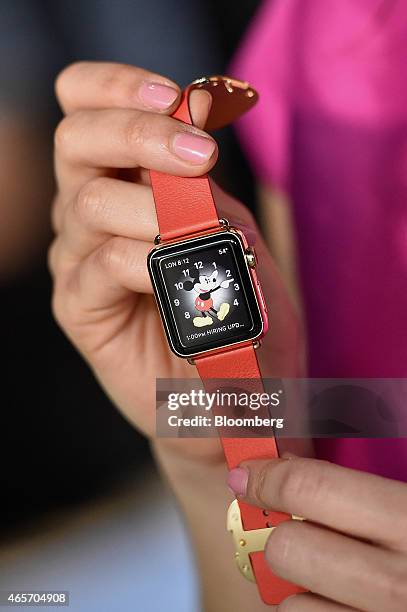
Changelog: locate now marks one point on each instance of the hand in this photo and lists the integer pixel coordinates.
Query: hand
(351, 552)
(117, 126)
(225, 283)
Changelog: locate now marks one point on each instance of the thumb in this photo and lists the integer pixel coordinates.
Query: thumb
(258, 482)
(200, 102)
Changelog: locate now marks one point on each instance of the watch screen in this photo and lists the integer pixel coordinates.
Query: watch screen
(205, 293)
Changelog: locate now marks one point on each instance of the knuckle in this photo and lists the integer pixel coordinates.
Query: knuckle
(120, 257)
(110, 255)
(90, 203)
(303, 480)
(261, 484)
(63, 136)
(52, 258)
(136, 130)
(64, 80)
(115, 82)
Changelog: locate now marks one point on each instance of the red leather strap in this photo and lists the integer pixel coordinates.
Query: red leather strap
(184, 205)
(241, 363)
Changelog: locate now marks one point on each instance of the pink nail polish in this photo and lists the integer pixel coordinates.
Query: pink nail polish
(193, 148)
(156, 95)
(237, 480)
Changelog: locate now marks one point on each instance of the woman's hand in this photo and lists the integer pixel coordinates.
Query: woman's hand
(117, 126)
(352, 550)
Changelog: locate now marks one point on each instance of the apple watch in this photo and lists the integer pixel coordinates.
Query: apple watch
(203, 273)
(203, 284)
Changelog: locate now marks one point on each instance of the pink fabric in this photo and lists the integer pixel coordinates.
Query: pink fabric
(331, 130)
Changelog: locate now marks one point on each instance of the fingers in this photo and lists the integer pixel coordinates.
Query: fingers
(112, 124)
(87, 141)
(102, 281)
(122, 138)
(346, 500)
(93, 85)
(337, 567)
(105, 207)
(118, 261)
(97, 85)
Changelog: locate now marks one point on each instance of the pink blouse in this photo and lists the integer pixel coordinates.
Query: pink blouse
(331, 131)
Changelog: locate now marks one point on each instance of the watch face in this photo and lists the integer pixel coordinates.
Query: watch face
(205, 293)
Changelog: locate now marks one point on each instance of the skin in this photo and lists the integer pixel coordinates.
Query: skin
(353, 547)
(104, 221)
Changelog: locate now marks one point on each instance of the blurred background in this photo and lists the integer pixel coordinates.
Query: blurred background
(82, 507)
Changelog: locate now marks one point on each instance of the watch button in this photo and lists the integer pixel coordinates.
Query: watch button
(251, 257)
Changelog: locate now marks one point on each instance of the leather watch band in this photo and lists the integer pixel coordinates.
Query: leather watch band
(185, 206)
(241, 363)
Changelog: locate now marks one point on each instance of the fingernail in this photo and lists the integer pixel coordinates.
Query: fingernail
(193, 148)
(237, 481)
(156, 95)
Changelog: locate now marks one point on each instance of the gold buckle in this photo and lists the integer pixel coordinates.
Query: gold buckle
(247, 542)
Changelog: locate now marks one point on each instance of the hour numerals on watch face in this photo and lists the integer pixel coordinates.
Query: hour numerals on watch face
(205, 293)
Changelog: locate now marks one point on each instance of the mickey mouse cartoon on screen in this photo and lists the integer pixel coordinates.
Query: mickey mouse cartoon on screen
(205, 286)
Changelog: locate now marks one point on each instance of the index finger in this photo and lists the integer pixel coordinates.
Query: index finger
(96, 85)
(356, 503)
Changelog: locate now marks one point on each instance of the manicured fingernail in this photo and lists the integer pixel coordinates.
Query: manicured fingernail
(157, 95)
(193, 148)
(237, 480)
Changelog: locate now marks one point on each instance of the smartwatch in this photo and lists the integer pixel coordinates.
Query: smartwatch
(203, 273)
